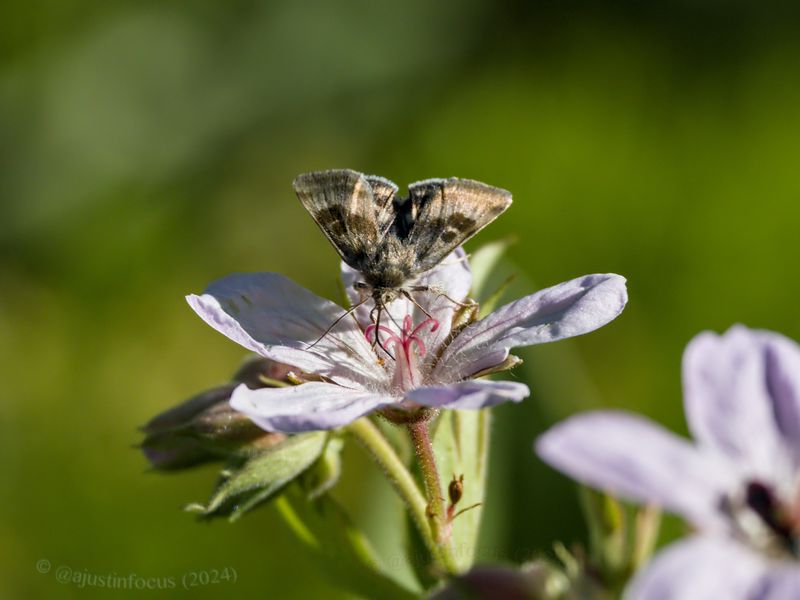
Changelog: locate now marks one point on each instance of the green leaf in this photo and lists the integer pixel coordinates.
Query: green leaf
(262, 476)
(338, 547)
(460, 441)
(483, 263)
(621, 536)
(491, 302)
(608, 528)
(419, 556)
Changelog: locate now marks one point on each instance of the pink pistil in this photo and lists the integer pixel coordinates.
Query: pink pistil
(406, 372)
(407, 337)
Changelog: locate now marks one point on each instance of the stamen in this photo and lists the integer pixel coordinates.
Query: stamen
(392, 337)
(407, 325)
(414, 338)
(434, 326)
(409, 335)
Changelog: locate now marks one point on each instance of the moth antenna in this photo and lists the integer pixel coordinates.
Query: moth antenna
(349, 311)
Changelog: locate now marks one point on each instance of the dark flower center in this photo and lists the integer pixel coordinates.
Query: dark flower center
(764, 520)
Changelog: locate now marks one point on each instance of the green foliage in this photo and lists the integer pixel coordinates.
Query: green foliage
(621, 539)
(325, 472)
(148, 148)
(483, 263)
(460, 441)
(262, 476)
(338, 548)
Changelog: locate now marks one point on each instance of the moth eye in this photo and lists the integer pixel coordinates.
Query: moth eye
(360, 285)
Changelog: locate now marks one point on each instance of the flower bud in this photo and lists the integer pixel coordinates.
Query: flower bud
(456, 489)
(535, 581)
(206, 428)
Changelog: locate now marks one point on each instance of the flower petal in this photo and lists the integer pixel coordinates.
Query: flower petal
(451, 277)
(728, 404)
(273, 316)
(307, 407)
(469, 394)
(782, 357)
(781, 583)
(631, 456)
(700, 568)
(565, 310)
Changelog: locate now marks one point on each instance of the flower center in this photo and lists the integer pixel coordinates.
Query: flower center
(764, 521)
(408, 348)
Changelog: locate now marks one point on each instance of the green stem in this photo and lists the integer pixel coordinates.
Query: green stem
(403, 483)
(433, 487)
(338, 547)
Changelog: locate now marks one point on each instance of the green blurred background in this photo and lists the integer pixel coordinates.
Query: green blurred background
(148, 148)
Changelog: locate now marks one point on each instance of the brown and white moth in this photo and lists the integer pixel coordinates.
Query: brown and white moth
(392, 240)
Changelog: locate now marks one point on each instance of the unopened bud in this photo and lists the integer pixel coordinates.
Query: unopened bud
(256, 371)
(456, 489)
(206, 428)
(537, 581)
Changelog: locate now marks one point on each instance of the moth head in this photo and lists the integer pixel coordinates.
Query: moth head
(385, 296)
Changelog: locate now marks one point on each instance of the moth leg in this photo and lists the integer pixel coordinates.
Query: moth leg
(439, 292)
(407, 294)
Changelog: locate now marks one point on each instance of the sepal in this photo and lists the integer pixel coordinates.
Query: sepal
(261, 477)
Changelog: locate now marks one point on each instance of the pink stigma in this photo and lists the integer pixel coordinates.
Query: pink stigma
(408, 336)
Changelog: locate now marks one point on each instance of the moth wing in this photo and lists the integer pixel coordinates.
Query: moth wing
(383, 193)
(343, 205)
(447, 212)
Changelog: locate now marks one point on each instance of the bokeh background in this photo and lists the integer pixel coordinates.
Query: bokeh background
(147, 148)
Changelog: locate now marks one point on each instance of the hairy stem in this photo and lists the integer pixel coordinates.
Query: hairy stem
(435, 510)
(371, 438)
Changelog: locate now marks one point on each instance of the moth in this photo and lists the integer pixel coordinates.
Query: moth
(392, 240)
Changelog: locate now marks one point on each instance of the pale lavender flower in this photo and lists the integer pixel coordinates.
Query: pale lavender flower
(738, 484)
(349, 376)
